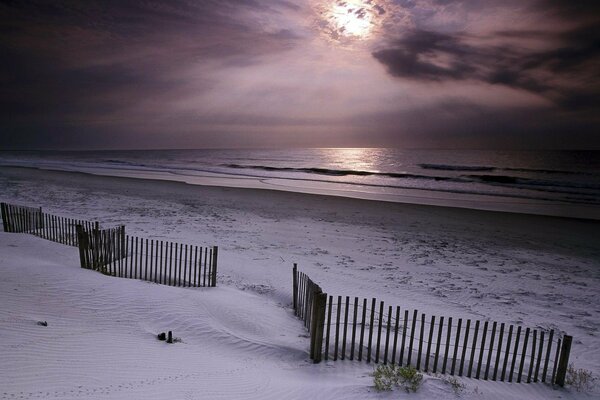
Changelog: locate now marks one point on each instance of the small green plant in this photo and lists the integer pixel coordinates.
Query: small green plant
(386, 377)
(410, 378)
(580, 379)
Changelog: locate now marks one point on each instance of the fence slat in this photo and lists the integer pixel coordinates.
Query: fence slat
(394, 348)
(387, 335)
(515, 351)
(456, 343)
(328, 326)
(532, 361)
(473, 346)
(482, 349)
(404, 327)
(506, 353)
(337, 328)
(354, 328)
(523, 355)
(362, 329)
(420, 351)
(464, 350)
(431, 327)
(345, 327)
(545, 370)
(412, 337)
(372, 320)
(448, 334)
(539, 360)
(379, 321)
(490, 351)
(437, 344)
(499, 352)
(195, 266)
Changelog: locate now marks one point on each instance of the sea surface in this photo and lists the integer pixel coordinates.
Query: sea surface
(564, 183)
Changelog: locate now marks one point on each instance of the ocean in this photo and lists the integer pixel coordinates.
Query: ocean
(563, 183)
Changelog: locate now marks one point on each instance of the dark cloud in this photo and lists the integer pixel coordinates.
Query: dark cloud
(557, 58)
(565, 73)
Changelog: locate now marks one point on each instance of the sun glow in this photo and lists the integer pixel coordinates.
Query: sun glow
(351, 19)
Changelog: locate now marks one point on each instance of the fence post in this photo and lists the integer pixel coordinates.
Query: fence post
(81, 242)
(317, 325)
(4, 217)
(295, 286)
(563, 361)
(214, 266)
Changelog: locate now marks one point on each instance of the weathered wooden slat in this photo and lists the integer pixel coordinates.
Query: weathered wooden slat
(438, 344)
(473, 347)
(157, 262)
(448, 335)
(180, 264)
(549, 347)
(404, 328)
(214, 266)
(195, 266)
(499, 352)
(456, 343)
(515, 352)
(206, 268)
(532, 360)
(539, 359)
(337, 328)
(395, 347)
(372, 320)
(420, 351)
(387, 335)
(344, 336)
(191, 267)
(490, 351)
(354, 328)
(362, 329)
(379, 321)
(185, 262)
(523, 355)
(464, 350)
(482, 349)
(428, 355)
(412, 337)
(506, 353)
(553, 376)
(329, 305)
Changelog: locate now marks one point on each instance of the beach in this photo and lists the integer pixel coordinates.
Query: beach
(241, 340)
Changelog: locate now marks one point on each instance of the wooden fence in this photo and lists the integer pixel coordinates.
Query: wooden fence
(114, 253)
(21, 219)
(369, 331)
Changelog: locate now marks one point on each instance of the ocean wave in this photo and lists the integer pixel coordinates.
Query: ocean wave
(444, 167)
(485, 168)
(345, 172)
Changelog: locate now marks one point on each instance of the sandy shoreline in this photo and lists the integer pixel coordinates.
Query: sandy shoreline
(514, 268)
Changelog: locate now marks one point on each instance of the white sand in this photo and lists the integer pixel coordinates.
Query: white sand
(241, 340)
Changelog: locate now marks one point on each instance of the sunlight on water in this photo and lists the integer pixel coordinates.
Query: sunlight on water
(355, 159)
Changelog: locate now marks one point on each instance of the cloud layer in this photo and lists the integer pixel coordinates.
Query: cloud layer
(228, 73)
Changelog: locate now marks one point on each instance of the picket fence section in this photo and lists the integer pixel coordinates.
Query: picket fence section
(114, 253)
(21, 219)
(367, 330)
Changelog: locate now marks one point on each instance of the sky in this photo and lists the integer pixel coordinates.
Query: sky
(481, 74)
